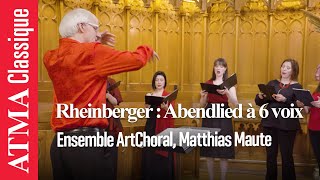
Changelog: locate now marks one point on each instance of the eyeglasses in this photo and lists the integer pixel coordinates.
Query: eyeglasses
(95, 27)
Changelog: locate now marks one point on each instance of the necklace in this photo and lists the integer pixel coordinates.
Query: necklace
(284, 86)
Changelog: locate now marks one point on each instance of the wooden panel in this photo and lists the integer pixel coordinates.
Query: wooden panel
(44, 140)
(140, 32)
(221, 41)
(312, 52)
(254, 42)
(169, 38)
(187, 51)
(48, 21)
(189, 44)
(287, 40)
(253, 51)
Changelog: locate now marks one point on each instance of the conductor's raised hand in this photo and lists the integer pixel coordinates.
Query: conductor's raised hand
(107, 38)
(155, 56)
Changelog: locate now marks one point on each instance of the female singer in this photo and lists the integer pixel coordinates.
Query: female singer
(282, 130)
(314, 120)
(157, 164)
(219, 74)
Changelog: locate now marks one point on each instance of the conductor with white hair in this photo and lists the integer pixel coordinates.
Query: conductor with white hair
(78, 69)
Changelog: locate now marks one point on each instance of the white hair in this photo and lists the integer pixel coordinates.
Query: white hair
(69, 23)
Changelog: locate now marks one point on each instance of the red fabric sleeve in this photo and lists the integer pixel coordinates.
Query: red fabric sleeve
(109, 61)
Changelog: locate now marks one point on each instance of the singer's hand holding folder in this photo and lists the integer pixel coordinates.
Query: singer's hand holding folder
(304, 96)
(267, 90)
(228, 83)
(156, 100)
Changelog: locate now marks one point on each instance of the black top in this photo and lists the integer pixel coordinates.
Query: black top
(151, 123)
(280, 122)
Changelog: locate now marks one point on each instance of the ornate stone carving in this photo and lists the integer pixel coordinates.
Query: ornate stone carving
(256, 5)
(289, 4)
(86, 4)
(189, 8)
(162, 6)
(176, 3)
(239, 4)
(105, 5)
(135, 4)
(313, 3)
(47, 10)
(203, 4)
(222, 6)
(250, 127)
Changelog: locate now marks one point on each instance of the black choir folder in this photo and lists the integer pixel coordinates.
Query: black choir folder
(113, 86)
(228, 83)
(156, 100)
(304, 96)
(193, 131)
(267, 90)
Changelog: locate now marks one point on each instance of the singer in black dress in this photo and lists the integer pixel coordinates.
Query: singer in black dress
(282, 130)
